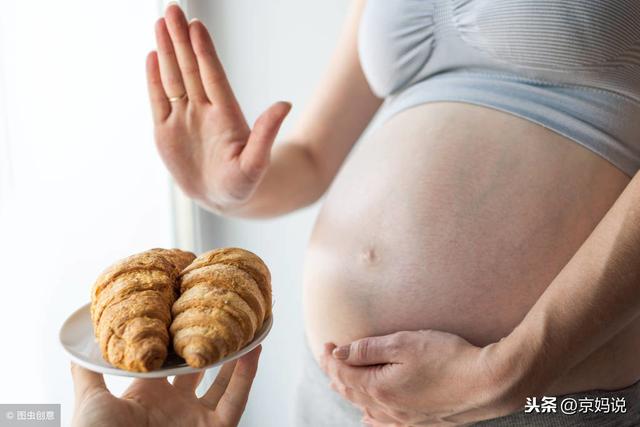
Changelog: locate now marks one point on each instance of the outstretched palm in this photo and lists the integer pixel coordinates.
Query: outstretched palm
(156, 402)
(200, 130)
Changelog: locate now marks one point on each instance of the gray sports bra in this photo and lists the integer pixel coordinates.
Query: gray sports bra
(572, 66)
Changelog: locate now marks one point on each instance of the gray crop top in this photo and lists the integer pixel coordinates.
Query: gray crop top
(572, 66)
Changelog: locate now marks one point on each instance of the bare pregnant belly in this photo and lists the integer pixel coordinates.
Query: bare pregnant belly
(457, 217)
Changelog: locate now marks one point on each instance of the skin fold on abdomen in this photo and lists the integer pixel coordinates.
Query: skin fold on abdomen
(454, 217)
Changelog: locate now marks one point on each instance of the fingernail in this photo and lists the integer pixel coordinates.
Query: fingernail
(341, 353)
(192, 20)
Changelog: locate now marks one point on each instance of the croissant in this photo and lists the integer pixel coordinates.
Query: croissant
(131, 307)
(225, 298)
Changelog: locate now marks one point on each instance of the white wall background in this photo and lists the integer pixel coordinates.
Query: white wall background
(80, 181)
(272, 50)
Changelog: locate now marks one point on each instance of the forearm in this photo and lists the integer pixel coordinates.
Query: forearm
(594, 297)
(291, 181)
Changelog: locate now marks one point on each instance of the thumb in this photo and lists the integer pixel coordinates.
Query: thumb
(365, 351)
(255, 155)
(85, 381)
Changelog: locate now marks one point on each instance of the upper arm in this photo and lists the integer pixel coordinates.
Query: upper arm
(341, 107)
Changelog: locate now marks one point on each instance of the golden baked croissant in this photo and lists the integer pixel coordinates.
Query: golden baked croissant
(225, 298)
(131, 307)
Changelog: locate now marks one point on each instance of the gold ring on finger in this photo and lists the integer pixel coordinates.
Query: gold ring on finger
(178, 98)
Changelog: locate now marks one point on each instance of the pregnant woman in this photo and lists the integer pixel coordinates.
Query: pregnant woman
(481, 245)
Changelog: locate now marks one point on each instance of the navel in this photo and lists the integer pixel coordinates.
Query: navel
(369, 255)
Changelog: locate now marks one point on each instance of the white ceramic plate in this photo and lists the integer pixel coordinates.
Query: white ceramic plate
(77, 339)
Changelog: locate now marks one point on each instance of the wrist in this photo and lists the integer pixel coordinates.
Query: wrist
(519, 368)
(222, 205)
(507, 379)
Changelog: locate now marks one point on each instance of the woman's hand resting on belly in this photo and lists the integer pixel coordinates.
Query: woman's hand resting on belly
(424, 377)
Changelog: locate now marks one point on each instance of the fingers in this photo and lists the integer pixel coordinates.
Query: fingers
(160, 107)
(357, 378)
(169, 70)
(85, 382)
(217, 389)
(213, 77)
(188, 382)
(255, 155)
(178, 28)
(366, 351)
(234, 400)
